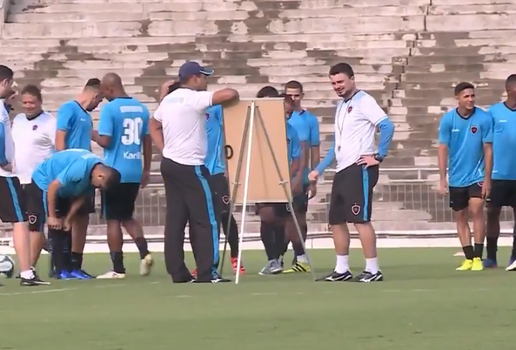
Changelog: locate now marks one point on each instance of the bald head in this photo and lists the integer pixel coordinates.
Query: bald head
(111, 86)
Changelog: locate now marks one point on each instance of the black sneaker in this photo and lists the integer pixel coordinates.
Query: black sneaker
(29, 282)
(336, 277)
(216, 278)
(39, 280)
(366, 277)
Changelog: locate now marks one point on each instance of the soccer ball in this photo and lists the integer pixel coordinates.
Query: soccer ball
(6, 266)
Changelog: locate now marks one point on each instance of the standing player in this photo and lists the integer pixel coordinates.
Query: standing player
(216, 164)
(273, 215)
(62, 183)
(356, 120)
(307, 127)
(12, 207)
(503, 190)
(124, 132)
(74, 127)
(465, 148)
(34, 134)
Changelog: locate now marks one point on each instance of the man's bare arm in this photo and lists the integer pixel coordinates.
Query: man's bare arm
(156, 133)
(101, 140)
(488, 160)
(224, 96)
(74, 208)
(442, 161)
(315, 156)
(60, 140)
(52, 197)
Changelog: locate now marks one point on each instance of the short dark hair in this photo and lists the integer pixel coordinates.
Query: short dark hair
(113, 177)
(92, 83)
(510, 82)
(32, 90)
(267, 91)
(342, 68)
(6, 73)
(461, 87)
(294, 84)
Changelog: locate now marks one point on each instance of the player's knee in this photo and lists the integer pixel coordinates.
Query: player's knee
(267, 215)
(462, 215)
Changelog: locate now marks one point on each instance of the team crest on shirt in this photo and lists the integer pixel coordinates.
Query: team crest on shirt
(355, 209)
(34, 127)
(32, 219)
(207, 116)
(225, 199)
(350, 108)
(288, 141)
(474, 129)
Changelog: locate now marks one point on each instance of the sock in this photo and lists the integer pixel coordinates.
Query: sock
(76, 260)
(468, 252)
(267, 236)
(304, 232)
(57, 254)
(342, 264)
(118, 261)
(298, 249)
(492, 248)
(232, 235)
(141, 244)
(513, 252)
(29, 274)
(372, 265)
(67, 249)
(302, 258)
(478, 250)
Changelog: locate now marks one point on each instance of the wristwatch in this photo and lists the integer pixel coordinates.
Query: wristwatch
(378, 157)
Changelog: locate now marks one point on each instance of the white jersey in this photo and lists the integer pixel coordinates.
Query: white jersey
(182, 114)
(355, 126)
(34, 141)
(8, 146)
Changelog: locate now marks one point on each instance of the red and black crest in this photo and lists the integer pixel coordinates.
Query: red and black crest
(207, 116)
(288, 141)
(355, 209)
(474, 129)
(350, 108)
(225, 199)
(34, 127)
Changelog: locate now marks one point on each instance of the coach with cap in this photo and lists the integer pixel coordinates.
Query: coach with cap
(178, 130)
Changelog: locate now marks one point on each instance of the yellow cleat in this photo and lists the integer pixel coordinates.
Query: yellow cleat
(478, 265)
(298, 267)
(466, 265)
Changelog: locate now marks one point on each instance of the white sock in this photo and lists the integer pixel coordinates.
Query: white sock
(372, 265)
(27, 274)
(302, 258)
(342, 264)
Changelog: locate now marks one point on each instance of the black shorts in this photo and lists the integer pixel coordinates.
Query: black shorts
(38, 206)
(12, 203)
(503, 194)
(36, 213)
(282, 210)
(352, 194)
(459, 196)
(220, 187)
(118, 202)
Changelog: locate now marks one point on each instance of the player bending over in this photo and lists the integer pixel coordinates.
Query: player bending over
(307, 127)
(278, 214)
(124, 135)
(465, 147)
(63, 182)
(503, 190)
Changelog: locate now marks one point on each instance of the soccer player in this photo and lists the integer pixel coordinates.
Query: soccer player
(465, 148)
(74, 126)
(63, 183)
(356, 120)
(12, 207)
(124, 134)
(503, 190)
(34, 133)
(215, 162)
(273, 215)
(307, 127)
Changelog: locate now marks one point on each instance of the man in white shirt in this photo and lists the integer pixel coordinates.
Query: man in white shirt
(178, 130)
(33, 135)
(356, 120)
(12, 208)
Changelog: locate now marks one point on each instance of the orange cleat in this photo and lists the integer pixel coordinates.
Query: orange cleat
(234, 263)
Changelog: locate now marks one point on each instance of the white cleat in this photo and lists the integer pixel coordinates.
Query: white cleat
(511, 267)
(146, 265)
(111, 275)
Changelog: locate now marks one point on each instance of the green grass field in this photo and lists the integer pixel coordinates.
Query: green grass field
(422, 304)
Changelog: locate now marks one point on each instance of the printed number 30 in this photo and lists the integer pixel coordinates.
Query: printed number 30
(132, 131)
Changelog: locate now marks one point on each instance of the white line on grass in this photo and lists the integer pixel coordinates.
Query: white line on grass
(57, 290)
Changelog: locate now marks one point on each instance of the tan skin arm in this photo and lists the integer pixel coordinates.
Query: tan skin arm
(156, 133)
(60, 140)
(488, 160)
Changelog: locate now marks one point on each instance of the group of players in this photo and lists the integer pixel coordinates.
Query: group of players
(48, 171)
(477, 147)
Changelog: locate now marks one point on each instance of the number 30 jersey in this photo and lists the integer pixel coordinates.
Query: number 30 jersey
(126, 121)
